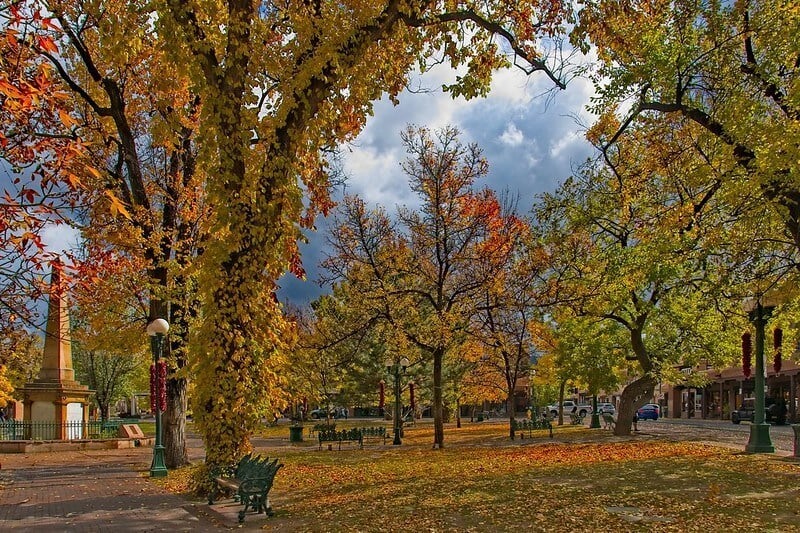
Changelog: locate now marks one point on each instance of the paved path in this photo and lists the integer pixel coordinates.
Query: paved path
(95, 491)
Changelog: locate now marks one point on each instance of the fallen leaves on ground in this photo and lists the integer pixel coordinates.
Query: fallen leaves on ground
(485, 482)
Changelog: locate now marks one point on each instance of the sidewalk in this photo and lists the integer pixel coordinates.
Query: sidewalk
(104, 490)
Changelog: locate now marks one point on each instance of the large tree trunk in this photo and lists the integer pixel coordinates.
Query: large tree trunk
(561, 402)
(511, 413)
(174, 424)
(634, 396)
(438, 410)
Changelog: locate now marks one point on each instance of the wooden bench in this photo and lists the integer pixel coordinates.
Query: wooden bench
(345, 435)
(609, 421)
(250, 479)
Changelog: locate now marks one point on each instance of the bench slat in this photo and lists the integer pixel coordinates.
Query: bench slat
(251, 478)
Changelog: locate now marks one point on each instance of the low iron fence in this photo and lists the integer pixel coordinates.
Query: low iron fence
(75, 430)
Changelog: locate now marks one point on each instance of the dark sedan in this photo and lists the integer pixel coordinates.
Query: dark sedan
(649, 411)
(774, 411)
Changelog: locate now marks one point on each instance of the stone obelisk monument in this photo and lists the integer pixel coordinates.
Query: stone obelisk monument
(55, 396)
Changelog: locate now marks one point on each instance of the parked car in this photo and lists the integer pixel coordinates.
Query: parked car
(649, 411)
(606, 408)
(773, 411)
(569, 407)
(320, 412)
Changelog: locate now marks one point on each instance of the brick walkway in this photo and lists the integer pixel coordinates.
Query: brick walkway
(98, 491)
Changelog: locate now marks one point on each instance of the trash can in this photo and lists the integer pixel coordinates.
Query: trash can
(295, 433)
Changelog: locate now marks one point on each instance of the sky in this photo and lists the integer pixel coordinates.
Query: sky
(531, 136)
(531, 140)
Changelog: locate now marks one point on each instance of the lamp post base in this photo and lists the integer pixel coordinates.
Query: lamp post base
(158, 468)
(760, 441)
(595, 423)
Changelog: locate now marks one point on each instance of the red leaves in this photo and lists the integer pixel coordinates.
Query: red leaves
(295, 263)
(46, 43)
(747, 354)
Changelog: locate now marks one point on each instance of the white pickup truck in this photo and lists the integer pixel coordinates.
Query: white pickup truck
(569, 408)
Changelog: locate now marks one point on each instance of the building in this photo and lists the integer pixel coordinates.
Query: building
(726, 389)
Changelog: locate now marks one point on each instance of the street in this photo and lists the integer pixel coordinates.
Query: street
(722, 432)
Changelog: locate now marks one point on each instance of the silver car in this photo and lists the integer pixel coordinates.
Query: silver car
(606, 408)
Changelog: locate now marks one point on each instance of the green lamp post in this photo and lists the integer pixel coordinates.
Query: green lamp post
(758, 313)
(396, 368)
(157, 329)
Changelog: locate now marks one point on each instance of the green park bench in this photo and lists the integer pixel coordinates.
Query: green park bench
(250, 480)
(375, 432)
(344, 435)
(316, 428)
(575, 419)
(531, 425)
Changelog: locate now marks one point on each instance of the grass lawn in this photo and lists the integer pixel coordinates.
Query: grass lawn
(583, 480)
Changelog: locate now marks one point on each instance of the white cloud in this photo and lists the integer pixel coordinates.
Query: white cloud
(375, 175)
(512, 88)
(60, 238)
(512, 136)
(564, 143)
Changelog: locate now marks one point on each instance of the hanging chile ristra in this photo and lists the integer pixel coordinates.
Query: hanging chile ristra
(747, 353)
(158, 386)
(777, 342)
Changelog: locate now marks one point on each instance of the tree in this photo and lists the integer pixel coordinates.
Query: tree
(475, 378)
(40, 173)
(279, 85)
(131, 120)
(728, 70)
(109, 351)
(593, 350)
(425, 278)
(508, 312)
(20, 358)
(638, 266)
(110, 375)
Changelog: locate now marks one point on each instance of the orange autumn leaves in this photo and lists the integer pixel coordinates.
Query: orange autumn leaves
(479, 462)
